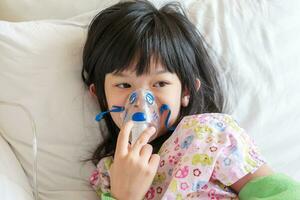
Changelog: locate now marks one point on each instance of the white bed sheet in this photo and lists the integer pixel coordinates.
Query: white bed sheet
(271, 113)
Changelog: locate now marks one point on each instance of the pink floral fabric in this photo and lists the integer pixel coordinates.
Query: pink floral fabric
(204, 156)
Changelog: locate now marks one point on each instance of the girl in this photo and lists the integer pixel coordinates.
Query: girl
(132, 46)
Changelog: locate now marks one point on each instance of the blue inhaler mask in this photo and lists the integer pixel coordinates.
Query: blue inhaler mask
(141, 108)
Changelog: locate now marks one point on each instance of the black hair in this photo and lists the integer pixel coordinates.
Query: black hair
(137, 30)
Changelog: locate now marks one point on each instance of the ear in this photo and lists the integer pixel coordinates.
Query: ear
(92, 90)
(186, 94)
(185, 98)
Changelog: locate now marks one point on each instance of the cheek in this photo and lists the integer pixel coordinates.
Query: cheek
(174, 103)
(117, 119)
(175, 109)
(113, 101)
(116, 116)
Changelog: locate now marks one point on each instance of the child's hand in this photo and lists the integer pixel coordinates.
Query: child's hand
(134, 166)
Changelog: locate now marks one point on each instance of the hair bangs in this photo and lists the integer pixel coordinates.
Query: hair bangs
(157, 41)
(145, 46)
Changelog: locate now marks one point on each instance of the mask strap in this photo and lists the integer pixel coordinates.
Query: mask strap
(114, 109)
(162, 109)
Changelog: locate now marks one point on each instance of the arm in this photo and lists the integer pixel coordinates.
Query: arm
(263, 184)
(264, 170)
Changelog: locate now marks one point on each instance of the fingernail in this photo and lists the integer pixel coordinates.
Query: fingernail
(152, 129)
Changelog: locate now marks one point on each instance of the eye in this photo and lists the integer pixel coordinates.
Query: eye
(161, 84)
(123, 85)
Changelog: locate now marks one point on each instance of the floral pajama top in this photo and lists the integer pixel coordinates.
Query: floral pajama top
(200, 160)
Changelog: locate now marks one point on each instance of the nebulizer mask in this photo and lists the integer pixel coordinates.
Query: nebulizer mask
(34, 142)
(141, 108)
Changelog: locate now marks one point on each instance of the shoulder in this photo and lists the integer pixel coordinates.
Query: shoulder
(227, 145)
(105, 163)
(101, 171)
(99, 179)
(206, 130)
(215, 122)
(212, 128)
(209, 116)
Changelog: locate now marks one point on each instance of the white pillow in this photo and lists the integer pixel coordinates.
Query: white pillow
(13, 182)
(26, 10)
(40, 64)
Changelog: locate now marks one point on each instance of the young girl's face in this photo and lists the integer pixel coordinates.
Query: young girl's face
(165, 86)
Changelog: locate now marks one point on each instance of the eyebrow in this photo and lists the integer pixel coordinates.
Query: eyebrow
(121, 74)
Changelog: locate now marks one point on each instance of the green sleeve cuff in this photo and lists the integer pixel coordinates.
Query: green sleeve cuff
(106, 196)
(273, 187)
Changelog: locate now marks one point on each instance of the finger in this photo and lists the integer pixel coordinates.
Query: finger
(146, 152)
(143, 139)
(154, 161)
(123, 138)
